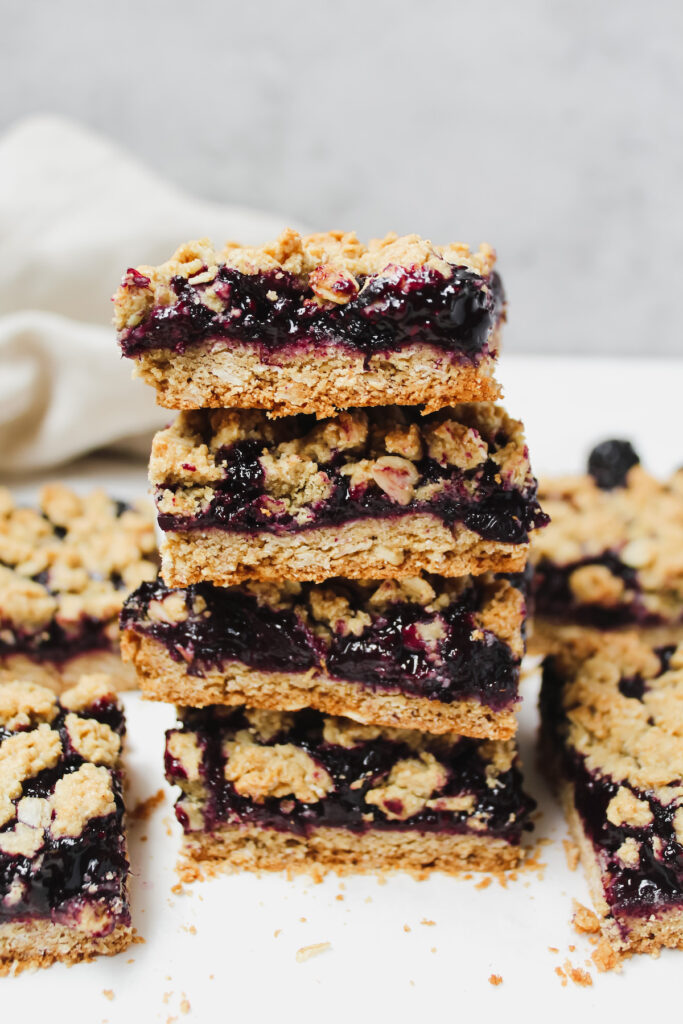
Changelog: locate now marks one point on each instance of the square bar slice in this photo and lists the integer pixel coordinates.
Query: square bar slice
(65, 569)
(63, 861)
(370, 493)
(311, 325)
(612, 737)
(304, 792)
(440, 655)
(612, 557)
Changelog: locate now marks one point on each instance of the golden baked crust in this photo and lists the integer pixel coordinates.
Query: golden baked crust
(330, 263)
(25, 945)
(369, 549)
(240, 848)
(285, 384)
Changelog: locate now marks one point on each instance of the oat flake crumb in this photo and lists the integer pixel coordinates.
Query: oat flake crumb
(495, 979)
(306, 952)
(426, 921)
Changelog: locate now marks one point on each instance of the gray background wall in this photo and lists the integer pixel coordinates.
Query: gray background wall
(550, 129)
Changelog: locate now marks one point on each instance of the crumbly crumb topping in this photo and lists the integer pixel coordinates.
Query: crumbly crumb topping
(408, 786)
(88, 691)
(641, 522)
(22, 756)
(35, 743)
(334, 265)
(295, 457)
(24, 704)
(281, 770)
(93, 740)
(637, 743)
(80, 796)
(88, 557)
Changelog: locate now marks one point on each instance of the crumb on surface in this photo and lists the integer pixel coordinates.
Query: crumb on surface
(144, 808)
(605, 957)
(177, 889)
(185, 1004)
(278, 931)
(553, 949)
(585, 921)
(407, 928)
(108, 993)
(307, 952)
(484, 883)
(426, 921)
(571, 852)
(339, 896)
(495, 979)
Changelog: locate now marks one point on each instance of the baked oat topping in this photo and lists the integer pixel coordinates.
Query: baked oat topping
(611, 555)
(333, 266)
(65, 569)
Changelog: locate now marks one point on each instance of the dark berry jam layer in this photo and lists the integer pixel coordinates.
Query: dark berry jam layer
(553, 597)
(70, 874)
(275, 310)
(55, 643)
(655, 881)
(498, 806)
(486, 498)
(403, 646)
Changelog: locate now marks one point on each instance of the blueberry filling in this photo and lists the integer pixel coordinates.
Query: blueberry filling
(475, 498)
(553, 597)
(505, 807)
(416, 305)
(610, 462)
(389, 655)
(70, 872)
(657, 880)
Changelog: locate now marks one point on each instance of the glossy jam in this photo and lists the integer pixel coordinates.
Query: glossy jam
(71, 872)
(275, 310)
(389, 655)
(354, 771)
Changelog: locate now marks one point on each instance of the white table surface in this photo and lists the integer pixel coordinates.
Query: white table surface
(228, 946)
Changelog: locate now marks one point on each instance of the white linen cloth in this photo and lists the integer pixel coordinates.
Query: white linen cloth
(75, 213)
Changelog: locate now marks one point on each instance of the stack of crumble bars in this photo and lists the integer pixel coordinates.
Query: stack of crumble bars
(346, 518)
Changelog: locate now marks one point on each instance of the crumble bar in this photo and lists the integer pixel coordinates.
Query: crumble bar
(612, 735)
(440, 655)
(612, 557)
(63, 861)
(305, 792)
(310, 325)
(65, 569)
(368, 493)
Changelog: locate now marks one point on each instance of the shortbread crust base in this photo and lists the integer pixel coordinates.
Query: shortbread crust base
(162, 678)
(59, 676)
(377, 548)
(314, 380)
(242, 847)
(641, 933)
(25, 945)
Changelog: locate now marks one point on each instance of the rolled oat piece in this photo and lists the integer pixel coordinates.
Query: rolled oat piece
(315, 324)
(369, 493)
(63, 860)
(305, 792)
